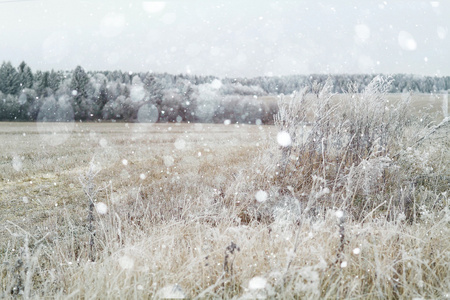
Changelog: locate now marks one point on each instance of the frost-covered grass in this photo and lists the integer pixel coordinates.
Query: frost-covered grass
(421, 104)
(215, 211)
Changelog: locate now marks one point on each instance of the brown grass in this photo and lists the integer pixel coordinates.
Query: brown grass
(167, 233)
(48, 176)
(421, 104)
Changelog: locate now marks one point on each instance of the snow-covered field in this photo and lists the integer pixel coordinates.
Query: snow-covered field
(42, 162)
(118, 210)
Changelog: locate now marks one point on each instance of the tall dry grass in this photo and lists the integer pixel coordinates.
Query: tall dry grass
(355, 206)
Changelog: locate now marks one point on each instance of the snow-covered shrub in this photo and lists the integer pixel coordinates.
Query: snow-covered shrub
(350, 151)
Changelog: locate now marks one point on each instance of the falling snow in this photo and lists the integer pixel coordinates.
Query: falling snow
(101, 208)
(339, 214)
(180, 144)
(406, 41)
(126, 262)
(284, 139)
(257, 283)
(168, 161)
(261, 196)
(17, 163)
(171, 292)
(173, 143)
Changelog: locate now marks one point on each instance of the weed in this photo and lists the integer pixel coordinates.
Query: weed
(90, 191)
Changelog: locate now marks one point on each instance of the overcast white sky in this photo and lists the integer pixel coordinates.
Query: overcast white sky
(229, 37)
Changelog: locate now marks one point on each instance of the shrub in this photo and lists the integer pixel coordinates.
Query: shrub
(353, 152)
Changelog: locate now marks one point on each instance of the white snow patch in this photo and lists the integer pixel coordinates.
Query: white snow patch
(356, 251)
(227, 122)
(142, 176)
(124, 162)
(344, 264)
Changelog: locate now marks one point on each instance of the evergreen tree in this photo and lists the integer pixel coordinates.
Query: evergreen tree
(42, 84)
(9, 79)
(154, 89)
(25, 76)
(102, 98)
(29, 105)
(54, 80)
(79, 86)
(100, 93)
(9, 108)
(80, 82)
(188, 104)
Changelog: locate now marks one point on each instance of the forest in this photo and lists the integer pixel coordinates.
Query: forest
(51, 96)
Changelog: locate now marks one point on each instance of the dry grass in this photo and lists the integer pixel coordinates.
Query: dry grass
(430, 105)
(187, 192)
(48, 176)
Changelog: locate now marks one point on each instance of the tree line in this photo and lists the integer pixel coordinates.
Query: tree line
(402, 83)
(160, 97)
